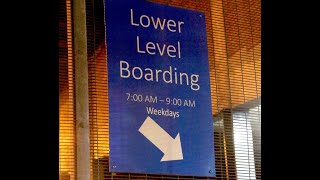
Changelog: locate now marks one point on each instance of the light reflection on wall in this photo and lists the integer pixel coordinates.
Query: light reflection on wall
(99, 104)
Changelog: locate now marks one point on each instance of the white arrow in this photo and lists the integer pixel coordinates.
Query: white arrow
(162, 140)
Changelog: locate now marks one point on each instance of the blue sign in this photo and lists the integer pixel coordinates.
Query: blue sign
(160, 116)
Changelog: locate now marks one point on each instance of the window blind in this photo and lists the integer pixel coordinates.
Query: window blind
(67, 135)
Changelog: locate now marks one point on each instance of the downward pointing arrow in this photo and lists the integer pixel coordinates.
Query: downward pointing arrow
(162, 140)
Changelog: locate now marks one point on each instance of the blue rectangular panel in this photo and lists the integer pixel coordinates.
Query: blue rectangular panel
(160, 116)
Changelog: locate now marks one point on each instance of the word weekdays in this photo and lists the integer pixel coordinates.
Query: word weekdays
(162, 112)
(170, 75)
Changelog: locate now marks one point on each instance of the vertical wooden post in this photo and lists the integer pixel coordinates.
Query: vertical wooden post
(81, 87)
